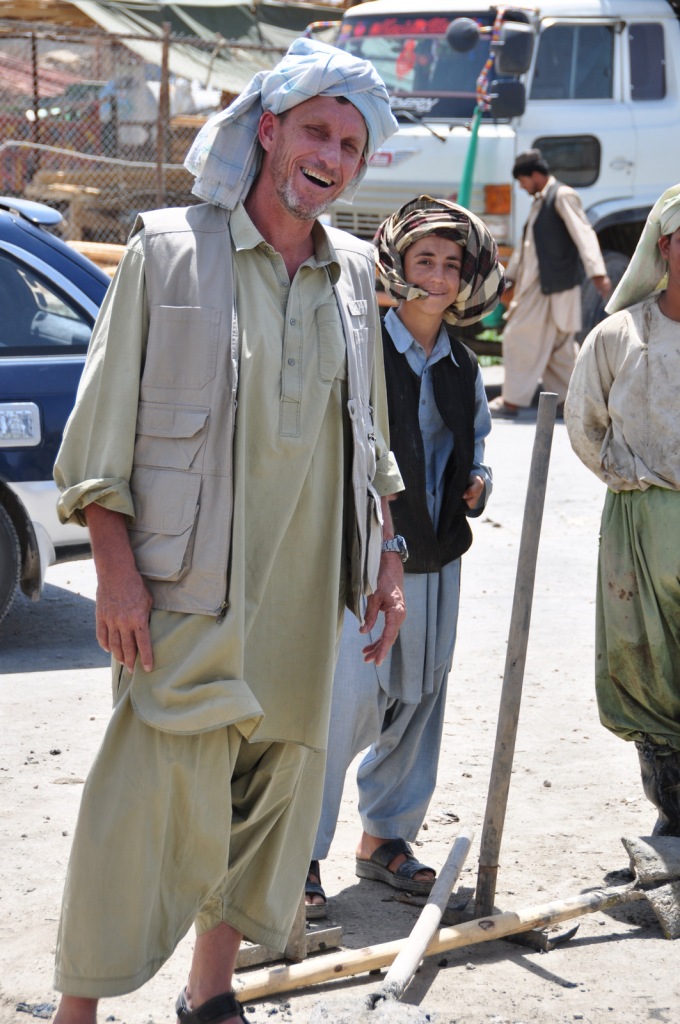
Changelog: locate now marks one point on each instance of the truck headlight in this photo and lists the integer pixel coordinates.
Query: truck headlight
(19, 425)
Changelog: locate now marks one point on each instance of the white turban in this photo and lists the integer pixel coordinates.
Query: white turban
(226, 154)
(647, 268)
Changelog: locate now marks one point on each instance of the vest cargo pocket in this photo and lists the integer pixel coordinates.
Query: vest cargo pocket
(171, 436)
(166, 507)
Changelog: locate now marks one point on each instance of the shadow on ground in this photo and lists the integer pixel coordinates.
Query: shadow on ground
(57, 632)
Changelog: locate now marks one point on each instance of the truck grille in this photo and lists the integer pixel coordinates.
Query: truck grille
(372, 206)
(362, 224)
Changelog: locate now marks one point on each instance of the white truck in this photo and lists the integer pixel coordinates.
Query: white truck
(600, 97)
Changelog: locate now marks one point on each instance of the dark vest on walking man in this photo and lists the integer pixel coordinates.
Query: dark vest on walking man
(558, 258)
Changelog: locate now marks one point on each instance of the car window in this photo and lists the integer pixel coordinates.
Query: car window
(574, 62)
(35, 319)
(647, 62)
(574, 159)
(416, 63)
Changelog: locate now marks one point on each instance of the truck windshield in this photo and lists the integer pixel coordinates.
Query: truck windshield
(422, 73)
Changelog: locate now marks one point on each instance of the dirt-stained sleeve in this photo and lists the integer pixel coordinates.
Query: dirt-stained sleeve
(586, 411)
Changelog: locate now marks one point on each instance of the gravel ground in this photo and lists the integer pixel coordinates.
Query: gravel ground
(574, 793)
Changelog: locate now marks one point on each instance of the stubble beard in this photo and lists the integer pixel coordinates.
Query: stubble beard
(297, 207)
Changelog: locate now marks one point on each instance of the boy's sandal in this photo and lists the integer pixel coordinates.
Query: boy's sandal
(403, 878)
(315, 910)
(221, 1008)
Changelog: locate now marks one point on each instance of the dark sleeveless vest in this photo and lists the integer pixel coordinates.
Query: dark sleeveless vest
(454, 393)
(558, 258)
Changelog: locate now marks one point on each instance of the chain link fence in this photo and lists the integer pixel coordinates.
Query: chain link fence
(89, 128)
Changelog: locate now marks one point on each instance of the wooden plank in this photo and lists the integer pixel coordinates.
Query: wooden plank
(53, 12)
(107, 255)
(317, 941)
(115, 177)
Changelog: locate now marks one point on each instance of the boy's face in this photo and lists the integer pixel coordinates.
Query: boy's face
(434, 263)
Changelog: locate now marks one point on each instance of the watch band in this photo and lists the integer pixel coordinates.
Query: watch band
(396, 545)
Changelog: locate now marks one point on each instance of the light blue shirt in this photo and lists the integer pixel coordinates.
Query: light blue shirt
(438, 440)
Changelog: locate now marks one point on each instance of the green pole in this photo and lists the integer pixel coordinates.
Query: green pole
(465, 190)
(495, 318)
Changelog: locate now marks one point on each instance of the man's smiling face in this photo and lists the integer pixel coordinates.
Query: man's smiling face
(312, 153)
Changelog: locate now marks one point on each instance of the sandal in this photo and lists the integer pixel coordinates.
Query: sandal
(221, 1008)
(403, 878)
(315, 910)
(499, 407)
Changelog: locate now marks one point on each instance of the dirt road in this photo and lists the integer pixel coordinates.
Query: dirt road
(575, 789)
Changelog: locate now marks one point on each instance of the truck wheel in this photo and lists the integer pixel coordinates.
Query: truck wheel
(10, 562)
(592, 305)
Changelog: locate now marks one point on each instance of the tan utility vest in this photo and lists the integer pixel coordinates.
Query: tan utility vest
(182, 473)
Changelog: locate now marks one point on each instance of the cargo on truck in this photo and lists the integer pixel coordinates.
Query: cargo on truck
(600, 97)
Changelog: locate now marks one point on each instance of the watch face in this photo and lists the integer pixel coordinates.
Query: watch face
(396, 544)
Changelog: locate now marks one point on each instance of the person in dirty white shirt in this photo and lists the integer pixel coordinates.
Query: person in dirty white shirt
(622, 417)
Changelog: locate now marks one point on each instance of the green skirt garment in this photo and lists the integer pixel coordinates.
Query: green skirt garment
(637, 642)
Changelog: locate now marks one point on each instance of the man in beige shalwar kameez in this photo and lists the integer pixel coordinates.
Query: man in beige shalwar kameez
(227, 536)
(545, 311)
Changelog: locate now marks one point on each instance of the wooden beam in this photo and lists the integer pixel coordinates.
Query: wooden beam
(53, 12)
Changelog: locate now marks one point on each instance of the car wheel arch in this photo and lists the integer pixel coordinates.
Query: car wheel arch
(30, 572)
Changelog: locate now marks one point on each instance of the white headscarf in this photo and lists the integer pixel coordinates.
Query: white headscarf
(647, 268)
(226, 154)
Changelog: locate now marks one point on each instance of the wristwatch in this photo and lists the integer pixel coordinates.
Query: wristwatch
(397, 544)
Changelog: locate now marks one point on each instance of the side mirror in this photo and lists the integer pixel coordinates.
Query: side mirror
(462, 35)
(508, 99)
(513, 56)
(515, 49)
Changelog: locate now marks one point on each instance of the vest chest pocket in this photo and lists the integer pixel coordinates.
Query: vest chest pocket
(182, 347)
(330, 343)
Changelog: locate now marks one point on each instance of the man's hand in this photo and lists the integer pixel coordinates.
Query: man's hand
(388, 598)
(123, 600)
(474, 491)
(123, 606)
(603, 285)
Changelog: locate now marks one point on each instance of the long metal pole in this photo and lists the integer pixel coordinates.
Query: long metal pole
(36, 89)
(163, 116)
(511, 693)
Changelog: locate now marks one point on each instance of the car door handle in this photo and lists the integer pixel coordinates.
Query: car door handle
(620, 163)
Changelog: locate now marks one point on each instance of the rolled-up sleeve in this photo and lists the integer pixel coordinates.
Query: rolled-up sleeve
(95, 459)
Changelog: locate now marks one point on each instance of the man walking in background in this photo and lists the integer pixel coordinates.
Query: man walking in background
(545, 311)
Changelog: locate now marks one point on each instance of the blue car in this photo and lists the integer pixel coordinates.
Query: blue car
(49, 299)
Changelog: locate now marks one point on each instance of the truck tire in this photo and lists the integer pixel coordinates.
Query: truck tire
(10, 562)
(592, 304)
